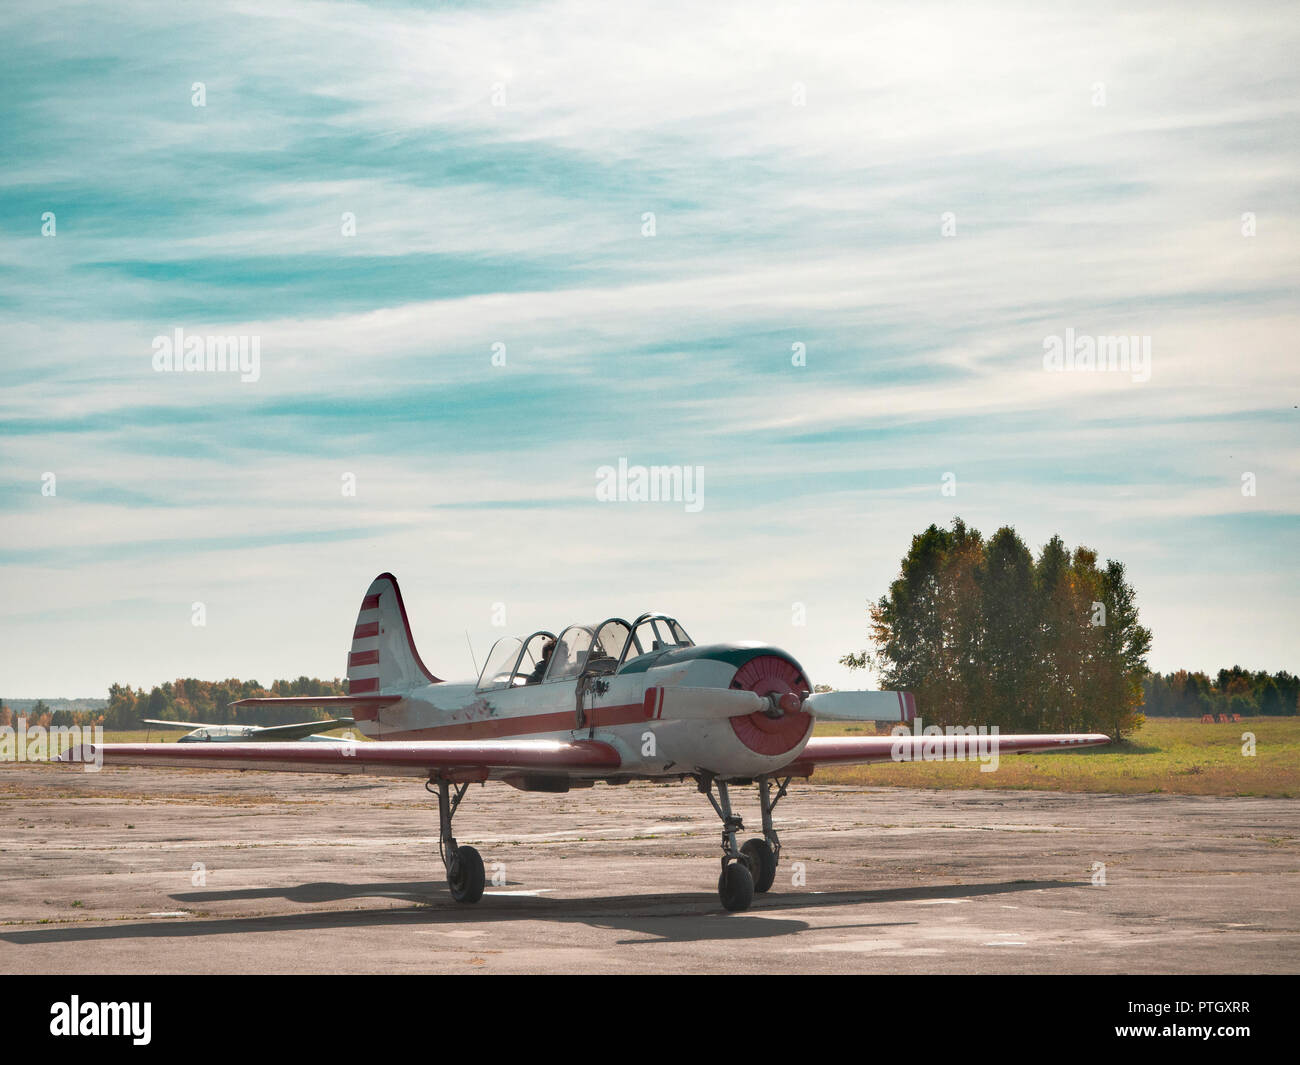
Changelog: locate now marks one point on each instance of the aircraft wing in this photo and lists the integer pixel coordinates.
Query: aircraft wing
(297, 730)
(188, 726)
(851, 750)
(458, 760)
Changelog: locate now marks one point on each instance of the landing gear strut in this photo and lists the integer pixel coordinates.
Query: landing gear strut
(763, 855)
(736, 883)
(465, 877)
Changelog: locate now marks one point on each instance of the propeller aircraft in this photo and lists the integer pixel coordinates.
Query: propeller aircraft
(615, 702)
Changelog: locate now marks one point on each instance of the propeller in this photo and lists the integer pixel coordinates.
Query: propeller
(861, 706)
(703, 703)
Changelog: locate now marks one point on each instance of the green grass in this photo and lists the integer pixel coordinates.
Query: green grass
(1179, 756)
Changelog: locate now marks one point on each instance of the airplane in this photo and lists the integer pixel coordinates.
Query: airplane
(302, 730)
(613, 702)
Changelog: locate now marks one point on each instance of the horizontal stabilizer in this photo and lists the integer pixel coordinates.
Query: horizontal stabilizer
(332, 703)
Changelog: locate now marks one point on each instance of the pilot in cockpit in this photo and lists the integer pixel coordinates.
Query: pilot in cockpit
(539, 671)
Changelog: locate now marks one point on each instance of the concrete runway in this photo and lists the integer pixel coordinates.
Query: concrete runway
(338, 874)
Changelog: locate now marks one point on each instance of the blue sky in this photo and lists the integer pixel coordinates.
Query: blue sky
(499, 160)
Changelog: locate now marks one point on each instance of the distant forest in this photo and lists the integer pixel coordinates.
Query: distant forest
(188, 699)
(1233, 691)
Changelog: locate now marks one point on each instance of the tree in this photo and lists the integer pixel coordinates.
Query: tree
(983, 634)
(1011, 638)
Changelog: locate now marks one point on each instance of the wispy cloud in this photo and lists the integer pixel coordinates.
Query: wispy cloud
(1096, 168)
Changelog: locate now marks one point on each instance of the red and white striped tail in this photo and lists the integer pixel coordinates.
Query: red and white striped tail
(383, 659)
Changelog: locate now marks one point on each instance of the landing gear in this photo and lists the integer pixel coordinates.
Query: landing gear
(736, 887)
(764, 854)
(761, 861)
(465, 877)
(736, 884)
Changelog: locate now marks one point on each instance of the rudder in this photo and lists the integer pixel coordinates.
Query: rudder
(383, 658)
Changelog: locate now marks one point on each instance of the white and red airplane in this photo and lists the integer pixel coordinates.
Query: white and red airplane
(612, 702)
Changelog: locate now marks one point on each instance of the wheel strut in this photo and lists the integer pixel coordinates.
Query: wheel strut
(465, 876)
(736, 882)
(731, 823)
(768, 804)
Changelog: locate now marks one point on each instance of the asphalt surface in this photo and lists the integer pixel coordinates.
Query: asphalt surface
(153, 870)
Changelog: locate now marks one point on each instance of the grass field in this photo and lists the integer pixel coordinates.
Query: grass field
(1173, 755)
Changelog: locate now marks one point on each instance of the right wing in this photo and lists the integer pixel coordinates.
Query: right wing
(858, 750)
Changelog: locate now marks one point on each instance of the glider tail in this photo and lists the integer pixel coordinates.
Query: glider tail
(383, 659)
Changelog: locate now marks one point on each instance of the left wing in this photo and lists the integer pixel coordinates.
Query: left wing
(851, 750)
(460, 760)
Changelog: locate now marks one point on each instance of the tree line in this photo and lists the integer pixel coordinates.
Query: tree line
(189, 700)
(1232, 691)
(984, 633)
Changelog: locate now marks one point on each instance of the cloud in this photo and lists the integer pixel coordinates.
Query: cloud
(799, 161)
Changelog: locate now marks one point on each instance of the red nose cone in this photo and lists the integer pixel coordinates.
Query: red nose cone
(769, 674)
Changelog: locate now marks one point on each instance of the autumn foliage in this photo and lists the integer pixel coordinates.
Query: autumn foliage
(985, 634)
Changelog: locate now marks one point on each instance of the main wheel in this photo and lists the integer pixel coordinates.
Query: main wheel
(761, 861)
(736, 887)
(465, 875)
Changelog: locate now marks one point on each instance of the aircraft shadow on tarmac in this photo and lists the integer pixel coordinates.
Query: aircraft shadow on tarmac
(666, 918)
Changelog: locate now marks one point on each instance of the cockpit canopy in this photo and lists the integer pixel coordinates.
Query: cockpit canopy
(580, 649)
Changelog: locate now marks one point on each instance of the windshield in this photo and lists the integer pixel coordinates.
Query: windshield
(655, 632)
(499, 667)
(570, 653)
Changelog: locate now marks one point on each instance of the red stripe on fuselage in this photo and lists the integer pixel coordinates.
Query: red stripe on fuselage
(523, 725)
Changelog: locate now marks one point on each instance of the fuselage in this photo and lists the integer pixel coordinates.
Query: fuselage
(625, 710)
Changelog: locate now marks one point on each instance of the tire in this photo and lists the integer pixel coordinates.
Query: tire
(465, 876)
(761, 861)
(736, 887)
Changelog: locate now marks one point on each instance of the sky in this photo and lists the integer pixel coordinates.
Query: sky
(814, 251)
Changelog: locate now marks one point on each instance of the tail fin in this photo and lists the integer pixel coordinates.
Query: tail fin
(384, 658)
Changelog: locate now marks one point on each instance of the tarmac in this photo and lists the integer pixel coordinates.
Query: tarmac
(193, 871)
